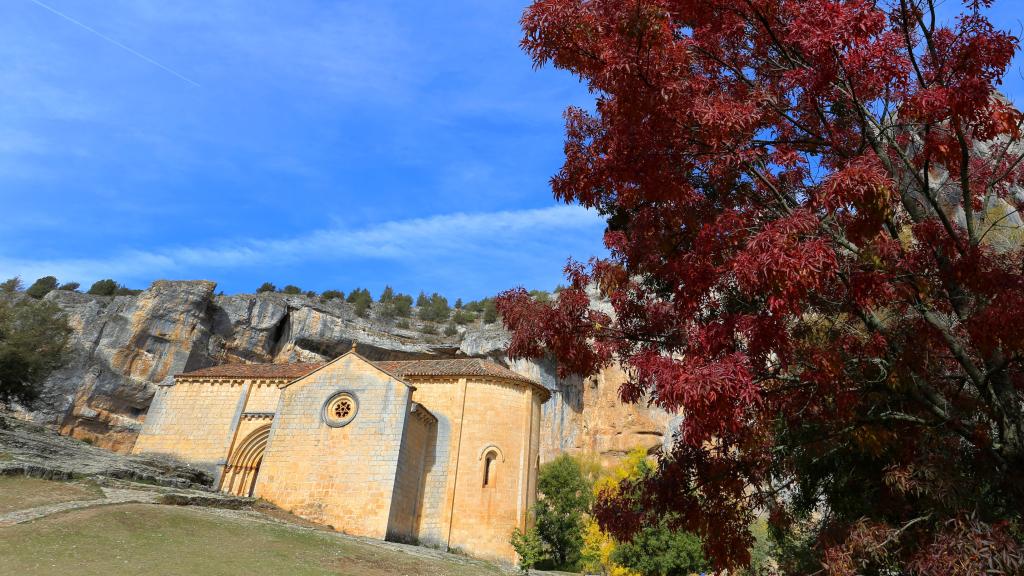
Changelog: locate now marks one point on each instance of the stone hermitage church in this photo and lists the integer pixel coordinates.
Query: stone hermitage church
(443, 452)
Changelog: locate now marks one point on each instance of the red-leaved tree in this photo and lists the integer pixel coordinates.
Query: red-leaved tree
(815, 257)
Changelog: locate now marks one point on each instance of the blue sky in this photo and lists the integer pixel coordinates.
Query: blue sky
(324, 144)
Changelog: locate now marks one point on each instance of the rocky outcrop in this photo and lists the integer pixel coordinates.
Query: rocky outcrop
(27, 449)
(124, 346)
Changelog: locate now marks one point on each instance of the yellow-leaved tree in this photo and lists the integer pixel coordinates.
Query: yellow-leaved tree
(598, 545)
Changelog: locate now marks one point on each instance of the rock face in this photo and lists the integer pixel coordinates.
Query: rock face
(31, 450)
(124, 346)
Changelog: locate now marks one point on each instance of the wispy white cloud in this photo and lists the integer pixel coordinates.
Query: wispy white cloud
(487, 238)
(106, 38)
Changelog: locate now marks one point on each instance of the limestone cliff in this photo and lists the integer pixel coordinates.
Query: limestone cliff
(123, 346)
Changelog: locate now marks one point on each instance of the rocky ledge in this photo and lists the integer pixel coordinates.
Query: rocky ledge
(29, 449)
(124, 346)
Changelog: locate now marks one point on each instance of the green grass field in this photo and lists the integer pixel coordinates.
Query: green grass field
(160, 540)
(20, 493)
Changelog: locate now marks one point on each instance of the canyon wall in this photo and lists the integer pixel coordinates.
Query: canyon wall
(124, 346)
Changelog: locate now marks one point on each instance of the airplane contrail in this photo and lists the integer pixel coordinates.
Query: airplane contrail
(114, 42)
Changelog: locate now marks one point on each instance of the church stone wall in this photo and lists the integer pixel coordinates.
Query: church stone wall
(417, 453)
(341, 476)
(443, 397)
(497, 418)
(263, 398)
(194, 421)
(475, 415)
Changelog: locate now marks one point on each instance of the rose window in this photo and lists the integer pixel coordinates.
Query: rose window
(340, 409)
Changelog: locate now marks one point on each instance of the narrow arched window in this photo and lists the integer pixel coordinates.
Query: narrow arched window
(489, 468)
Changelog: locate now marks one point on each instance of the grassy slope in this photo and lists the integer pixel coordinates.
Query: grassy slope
(165, 540)
(22, 493)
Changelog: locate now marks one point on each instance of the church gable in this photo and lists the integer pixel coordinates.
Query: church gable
(334, 446)
(347, 363)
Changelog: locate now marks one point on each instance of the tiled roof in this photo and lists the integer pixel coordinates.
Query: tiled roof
(456, 367)
(399, 368)
(270, 371)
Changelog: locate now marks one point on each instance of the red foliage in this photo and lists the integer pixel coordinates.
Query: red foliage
(815, 256)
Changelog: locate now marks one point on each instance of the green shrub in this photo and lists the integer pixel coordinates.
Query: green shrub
(291, 289)
(70, 287)
(396, 306)
(42, 287)
(332, 295)
(450, 329)
(105, 287)
(458, 303)
(435, 309)
(660, 550)
(402, 304)
(528, 547)
(125, 291)
(422, 300)
(403, 324)
(429, 329)
(540, 295)
(359, 294)
(360, 299)
(484, 308)
(387, 295)
(361, 307)
(565, 496)
(33, 340)
(266, 287)
(490, 311)
(462, 317)
(11, 285)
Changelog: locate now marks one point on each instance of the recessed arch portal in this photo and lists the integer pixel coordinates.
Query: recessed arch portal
(244, 465)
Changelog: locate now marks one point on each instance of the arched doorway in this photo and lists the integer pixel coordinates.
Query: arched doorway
(244, 464)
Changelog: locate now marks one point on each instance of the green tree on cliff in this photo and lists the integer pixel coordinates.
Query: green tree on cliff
(42, 287)
(360, 299)
(433, 309)
(402, 304)
(332, 295)
(106, 287)
(33, 339)
(490, 311)
(11, 285)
